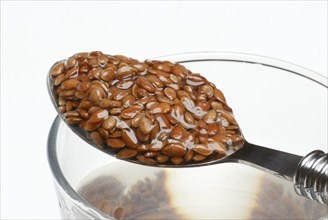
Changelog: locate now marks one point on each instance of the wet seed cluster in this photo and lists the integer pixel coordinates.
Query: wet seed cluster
(151, 112)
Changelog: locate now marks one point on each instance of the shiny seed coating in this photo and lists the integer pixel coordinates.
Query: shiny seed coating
(152, 112)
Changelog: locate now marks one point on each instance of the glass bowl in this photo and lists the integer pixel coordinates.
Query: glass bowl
(277, 104)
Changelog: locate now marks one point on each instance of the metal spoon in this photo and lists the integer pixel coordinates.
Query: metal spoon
(309, 174)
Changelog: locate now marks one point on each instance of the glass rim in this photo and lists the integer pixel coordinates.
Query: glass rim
(177, 58)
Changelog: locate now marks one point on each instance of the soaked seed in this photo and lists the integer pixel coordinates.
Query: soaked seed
(57, 69)
(217, 146)
(154, 131)
(202, 149)
(83, 86)
(181, 94)
(164, 123)
(219, 96)
(149, 105)
(69, 106)
(109, 123)
(163, 136)
(195, 80)
(213, 129)
(142, 148)
(144, 83)
(155, 81)
(155, 146)
(105, 103)
(93, 109)
(198, 157)
(102, 59)
(67, 93)
(100, 84)
(188, 103)
(70, 84)
(136, 120)
(73, 120)
(188, 89)
(118, 94)
(131, 111)
(98, 116)
(96, 138)
(160, 158)
(115, 134)
(85, 104)
(59, 79)
(174, 78)
(229, 117)
(150, 154)
(178, 110)
(189, 155)
(71, 114)
(208, 91)
(70, 62)
(128, 101)
(189, 118)
(108, 74)
(174, 150)
(145, 125)
(104, 133)
(210, 117)
(166, 67)
(129, 138)
(96, 94)
(163, 99)
(166, 80)
(237, 139)
(95, 73)
(72, 72)
(126, 153)
(217, 106)
(145, 160)
(80, 95)
(125, 72)
(221, 138)
(158, 73)
(177, 132)
(170, 93)
(124, 84)
(140, 66)
(135, 89)
(230, 132)
(145, 100)
(160, 108)
(142, 92)
(91, 126)
(115, 143)
(177, 160)
(179, 71)
(171, 119)
(93, 63)
(116, 111)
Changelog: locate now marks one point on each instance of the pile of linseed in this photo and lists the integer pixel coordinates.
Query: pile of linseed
(152, 112)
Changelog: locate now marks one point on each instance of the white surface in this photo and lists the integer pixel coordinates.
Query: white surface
(36, 34)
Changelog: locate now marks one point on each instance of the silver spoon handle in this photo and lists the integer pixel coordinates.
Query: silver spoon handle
(311, 177)
(309, 174)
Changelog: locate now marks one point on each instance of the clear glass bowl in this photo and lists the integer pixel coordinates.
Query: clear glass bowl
(277, 104)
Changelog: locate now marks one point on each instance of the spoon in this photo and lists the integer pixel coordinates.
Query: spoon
(96, 95)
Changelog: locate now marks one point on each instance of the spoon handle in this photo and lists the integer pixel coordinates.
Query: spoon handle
(309, 174)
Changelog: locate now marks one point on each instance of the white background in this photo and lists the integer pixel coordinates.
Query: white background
(36, 34)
